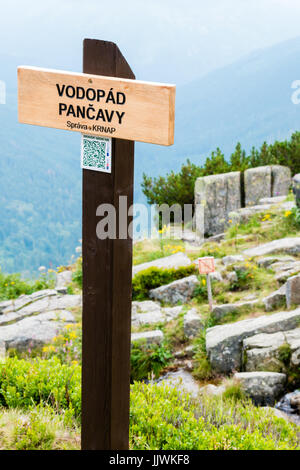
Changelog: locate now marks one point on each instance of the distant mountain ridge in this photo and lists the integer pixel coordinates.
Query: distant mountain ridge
(248, 101)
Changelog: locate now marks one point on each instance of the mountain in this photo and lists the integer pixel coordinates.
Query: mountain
(40, 211)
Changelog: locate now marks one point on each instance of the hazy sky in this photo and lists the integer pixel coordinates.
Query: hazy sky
(164, 40)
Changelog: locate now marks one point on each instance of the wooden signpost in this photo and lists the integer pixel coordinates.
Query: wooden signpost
(207, 266)
(103, 101)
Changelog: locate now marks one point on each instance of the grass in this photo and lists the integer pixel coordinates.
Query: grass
(36, 429)
(150, 250)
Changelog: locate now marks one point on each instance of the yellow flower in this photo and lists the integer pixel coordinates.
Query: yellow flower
(12, 283)
(203, 282)
(230, 221)
(73, 335)
(287, 213)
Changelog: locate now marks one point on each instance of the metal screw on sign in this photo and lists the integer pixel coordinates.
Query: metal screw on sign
(207, 266)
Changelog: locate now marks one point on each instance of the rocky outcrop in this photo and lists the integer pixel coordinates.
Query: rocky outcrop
(192, 323)
(182, 380)
(275, 299)
(177, 291)
(232, 259)
(215, 197)
(285, 245)
(221, 311)
(148, 337)
(34, 331)
(262, 387)
(224, 343)
(293, 291)
(177, 260)
(63, 279)
(296, 188)
(257, 182)
(281, 180)
(276, 352)
(149, 313)
(33, 320)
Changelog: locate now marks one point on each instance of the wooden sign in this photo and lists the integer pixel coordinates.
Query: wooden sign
(97, 105)
(206, 265)
(105, 101)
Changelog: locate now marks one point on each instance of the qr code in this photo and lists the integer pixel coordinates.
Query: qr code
(94, 153)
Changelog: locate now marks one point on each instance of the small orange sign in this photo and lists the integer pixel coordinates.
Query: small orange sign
(206, 265)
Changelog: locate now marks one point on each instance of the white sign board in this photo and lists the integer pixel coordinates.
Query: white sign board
(96, 153)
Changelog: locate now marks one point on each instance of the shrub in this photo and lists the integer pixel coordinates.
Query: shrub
(154, 277)
(179, 187)
(12, 286)
(163, 418)
(24, 383)
(147, 360)
(77, 276)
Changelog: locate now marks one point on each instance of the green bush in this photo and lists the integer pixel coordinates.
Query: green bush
(163, 418)
(33, 434)
(154, 277)
(147, 360)
(77, 276)
(12, 286)
(179, 187)
(24, 383)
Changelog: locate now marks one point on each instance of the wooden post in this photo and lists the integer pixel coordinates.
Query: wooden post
(107, 273)
(209, 292)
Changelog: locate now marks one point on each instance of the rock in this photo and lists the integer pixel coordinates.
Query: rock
(216, 238)
(264, 351)
(257, 183)
(34, 331)
(216, 276)
(62, 280)
(5, 305)
(25, 300)
(270, 260)
(231, 276)
(192, 323)
(295, 401)
(262, 387)
(224, 343)
(244, 214)
(220, 311)
(272, 200)
(250, 297)
(293, 291)
(2, 350)
(261, 352)
(289, 404)
(171, 313)
(148, 318)
(286, 245)
(296, 188)
(145, 306)
(52, 303)
(281, 180)
(275, 300)
(277, 413)
(182, 380)
(149, 312)
(174, 261)
(213, 390)
(215, 197)
(177, 291)
(150, 337)
(232, 259)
